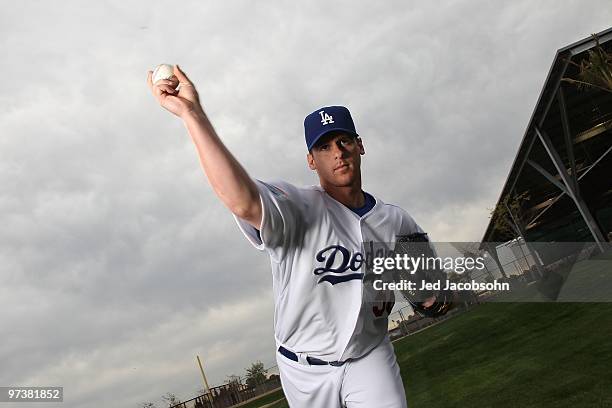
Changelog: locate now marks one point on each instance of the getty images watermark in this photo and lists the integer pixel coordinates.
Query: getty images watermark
(407, 264)
(513, 271)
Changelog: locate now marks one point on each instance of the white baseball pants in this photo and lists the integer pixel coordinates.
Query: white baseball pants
(372, 381)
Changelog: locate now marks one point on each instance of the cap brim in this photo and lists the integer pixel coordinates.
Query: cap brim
(326, 131)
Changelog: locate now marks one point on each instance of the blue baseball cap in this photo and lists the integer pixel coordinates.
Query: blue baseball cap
(325, 120)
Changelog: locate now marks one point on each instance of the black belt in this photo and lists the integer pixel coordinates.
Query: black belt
(311, 360)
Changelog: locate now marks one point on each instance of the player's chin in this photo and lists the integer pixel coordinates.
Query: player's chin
(344, 171)
(344, 180)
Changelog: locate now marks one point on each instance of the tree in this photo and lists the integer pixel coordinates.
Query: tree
(233, 380)
(508, 213)
(147, 405)
(256, 374)
(171, 399)
(595, 71)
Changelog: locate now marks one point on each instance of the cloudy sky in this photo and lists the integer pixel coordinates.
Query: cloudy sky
(118, 265)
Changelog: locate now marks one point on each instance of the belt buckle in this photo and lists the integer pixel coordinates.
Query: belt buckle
(302, 358)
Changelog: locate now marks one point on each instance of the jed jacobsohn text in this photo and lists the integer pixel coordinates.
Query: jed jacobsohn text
(413, 264)
(442, 285)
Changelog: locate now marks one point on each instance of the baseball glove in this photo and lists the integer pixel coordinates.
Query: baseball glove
(429, 299)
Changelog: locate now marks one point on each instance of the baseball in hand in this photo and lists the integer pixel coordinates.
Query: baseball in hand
(162, 71)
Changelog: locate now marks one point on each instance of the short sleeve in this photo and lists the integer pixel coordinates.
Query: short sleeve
(409, 227)
(282, 220)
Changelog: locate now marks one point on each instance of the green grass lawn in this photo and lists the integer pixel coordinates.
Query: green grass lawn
(510, 355)
(280, 404)
(269, 398)
(513, 355)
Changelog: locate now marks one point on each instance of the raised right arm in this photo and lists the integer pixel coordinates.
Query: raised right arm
(227, 177)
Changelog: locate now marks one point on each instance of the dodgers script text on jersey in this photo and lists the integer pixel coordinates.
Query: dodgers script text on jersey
(316, 250)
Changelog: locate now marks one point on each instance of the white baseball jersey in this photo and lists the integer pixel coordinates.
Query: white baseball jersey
(317, 248)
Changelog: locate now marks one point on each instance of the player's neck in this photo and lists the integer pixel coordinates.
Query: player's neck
(351, 196)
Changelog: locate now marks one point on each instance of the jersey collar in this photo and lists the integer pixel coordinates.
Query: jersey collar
(377, 203)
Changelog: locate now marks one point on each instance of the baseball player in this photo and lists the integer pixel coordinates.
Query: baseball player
(331, 333)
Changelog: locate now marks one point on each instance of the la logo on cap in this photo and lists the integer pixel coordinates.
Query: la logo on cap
(325, 118)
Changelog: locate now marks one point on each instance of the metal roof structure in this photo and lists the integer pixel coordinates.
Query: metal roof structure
(563, 167)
